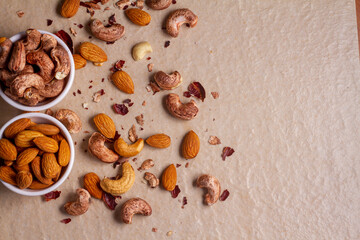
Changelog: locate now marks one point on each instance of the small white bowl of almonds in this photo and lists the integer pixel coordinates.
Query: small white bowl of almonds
(37, 154)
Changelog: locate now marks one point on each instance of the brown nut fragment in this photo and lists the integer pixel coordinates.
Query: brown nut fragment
(79, 61)
(7, 77)
(32, 96)
(107, 34)
(44, 62)
(61, 58)
(147, 164)
(180, 110)
(8, 175)
(212, 185)
(134, 206)
(48, 42)
(53, 88)
(18, 58)
(158, 4)
(22, 82)
(32, 40)
(179, 17)
(98, 149)
(36, 169)
(69, 118)
(168, 81)
(24, 179)
(122, 3)
(69, 8)
(152, 179)
(5, 49)
(81, 205)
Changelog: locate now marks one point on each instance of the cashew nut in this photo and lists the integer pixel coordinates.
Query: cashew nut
(44, 62)
(7, 77)
(53, 88)
(126, 150)
(69, 118)
(186, 111)
(168, 81)
(81, 205)
(5, 48)
(48, 42)
(98, 149)
(122, 185)
(158, 4)
(18, 58)
(62, 60)
(140, 50)
(213, 187)
(134, 206)
(32, 41)
(32, 96)
(152, 179)
(179, 17)
(107, 34)
(22, 82)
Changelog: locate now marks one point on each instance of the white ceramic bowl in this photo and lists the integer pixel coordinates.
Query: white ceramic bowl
(51, 102)
(43, 118)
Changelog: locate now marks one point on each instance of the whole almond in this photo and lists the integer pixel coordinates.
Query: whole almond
(105, 125)
(36, 169)
(137, 16)
(159, 140)
(7, 150)
(25, 138)
(46, 129)
(123, 82)
(8, 175)
(92, 52)
(16, 127)
(57, 137)
(36, 185)
(92, 184)
(169, 178)
(191, 145)
(79, 61)
(69, 8)
(49, 165)
(24, 167)
(26, 156)
(64, 153)
(24, 179)
(46, 144)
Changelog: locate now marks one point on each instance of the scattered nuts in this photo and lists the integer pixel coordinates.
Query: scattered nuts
(105, 125)
(168, 81)
(212, 185)
(92, 184)
(191, 145)
(123, 82)
(69, 8)
(92, 53)
(61, 58)
(152, 179)
(5, 48)
(169, 178)
(140, 119)
(24, 179)
(107, 34)
(158, 4)
(81, 205)
(79, 61)
(69, 118)
(134, 206)
(140, 50)
(133, 137)
(159, 140)
(18, 58)
(125, 150)
(185, 111)
(179, 17)
(44, 62)
(97, 147)
(137, 16)
(147, 164)
(215, 95)
(122, 185)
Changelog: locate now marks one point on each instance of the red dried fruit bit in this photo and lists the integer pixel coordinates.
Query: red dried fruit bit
(49, 22)
(227, 152)
(130, 104)
(80, 26)
(133, 4)
(74, 93)
(197, 90)
(167, 43)
(66, 38)
(83, 4)
(52, 195)
(120, 109)
(108, 43)
(224, 195)
(78, 91)
(86, 132)
(175, 192)
(109, 200)
(184, 202)
(90, 86)
(154, 229)
(103, 79)
(125, 7)
(66, 220)
(173, 1)
(178, 165)
(117, 135)
(148, 58)
(117, 66)
(128, 100)
(112, 19)
(187, 94)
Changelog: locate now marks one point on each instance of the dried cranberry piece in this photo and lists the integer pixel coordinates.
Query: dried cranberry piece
(128, 100)
(130, 104)
(125, 7)
(79, 91)
(197, 90)
(167, 43)
(173, 1)
(178, 165)
(175, 192)
(184, 202)
(66, 38)
(83, 4)
(117, 135)
(224, 195)
(121, 109)
(108, 43)
(80, 26)
(112, 19)
(187, 94)
(109, 200)
(227, 152)
(66, 220)
(117, 66)
(49, 22)
(52, 195)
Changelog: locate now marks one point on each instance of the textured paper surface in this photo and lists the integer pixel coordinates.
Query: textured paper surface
(288, 77)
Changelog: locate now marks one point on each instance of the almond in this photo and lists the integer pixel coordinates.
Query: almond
(79, 61)
(7, 150)
(169, 177)
(92, 53)
(7, 174)
(64, 153)
(123, 82)
(57, 137)
(16, 127)
(8, 163)
(137, 16)
(105, 125)
(191, 145)
(36, 185)
(46, 129)
(24, 179)
(159, 140)
(56, 178)
(24, 138)
(36, 169)
(70, 8)
(92, 184)
(46, 144)
(26, 156)
(49, 165)
(24, 167)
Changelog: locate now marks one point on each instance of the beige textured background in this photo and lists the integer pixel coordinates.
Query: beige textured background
(288, 77)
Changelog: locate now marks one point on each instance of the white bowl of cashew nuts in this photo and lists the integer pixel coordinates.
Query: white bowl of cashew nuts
(48, 90)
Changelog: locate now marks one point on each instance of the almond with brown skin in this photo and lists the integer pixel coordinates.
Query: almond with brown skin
(16, 127)
(26, 156)
(8, 175)
(64, 153)
(7, 150)
(24, 167)
(169, 178)
(36, 169)
(69, 8)
(137, 16)
(58, 137)
(24, 138)
(49, 165)
(47, 144)
(105, 125)
(46, 129)
(79, 61)
(92, 52)
(191, 145)
(92, 184)
(24, 179)
(123, 82)
(159, 140)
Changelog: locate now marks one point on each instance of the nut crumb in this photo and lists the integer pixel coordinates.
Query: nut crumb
(20, 13)
(144, 103)
(187, 165)
(97, 95)
(140, 120)
(147, 164)
(85, 105)
(106, 9)
(154, 229)
(215, 95)
(73, 32)
(148, 88)
(49, 112)
(140, 4)
(122, 4)
(214, 140)
(150, 67)
(169, 233)
(132, 134)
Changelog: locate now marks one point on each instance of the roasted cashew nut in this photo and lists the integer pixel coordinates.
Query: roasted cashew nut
(20, 100)
(158, 4)
(179, 17)
(126, 150)
(5, 49)
(134, 206)
(18, 58)
(107, 34)
(98, 149)
(48, 42)
(152, 179)
(168, 81)
(32, 96)
(7, 77)
(53, 88)
(186, 111)
(122, 185)
(69, 118)
(81, 205)
(44, 62)
(62, 60)
(213, 187)
(22, 82)
(32, 41)
(140, 50)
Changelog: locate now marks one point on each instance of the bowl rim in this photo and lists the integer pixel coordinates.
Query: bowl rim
(65, 132)
(61, 96)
